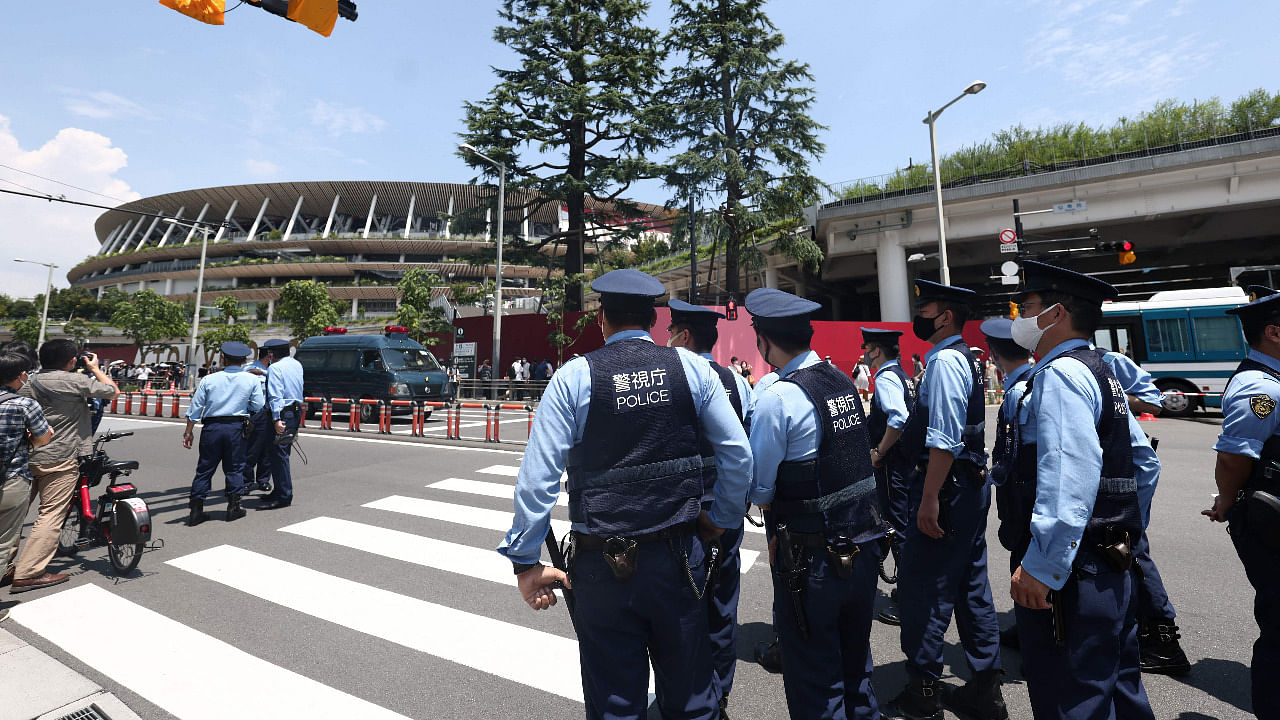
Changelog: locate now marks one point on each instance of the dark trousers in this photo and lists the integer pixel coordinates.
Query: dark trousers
(1261, 567)
(829, 675)
(653, 617)
(722, 611)
(1152, 601)
(257, 466)
(279, 456)
(220, 443)
(891, 486)
(1094, 675)
(937, 578)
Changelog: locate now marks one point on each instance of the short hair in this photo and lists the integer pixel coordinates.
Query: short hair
(791, 339)
(280, 351)
(620, 318)
(960, 311)
(1085, 315)
(891, 350)
(23, 348)
(1007, 349)
(703, 336)
(55, 354)
(263, 352)
(1255, 326)
(232, 360)
(12, 365)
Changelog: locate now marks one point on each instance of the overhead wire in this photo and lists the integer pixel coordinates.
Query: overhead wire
(59, 182)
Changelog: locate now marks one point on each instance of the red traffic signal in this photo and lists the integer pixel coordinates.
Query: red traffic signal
(731, 310)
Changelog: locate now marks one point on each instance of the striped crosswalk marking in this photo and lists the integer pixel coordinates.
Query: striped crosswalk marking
(499, 520)
(170, 664)
(504, 470)
(488, 489)
(537, 659)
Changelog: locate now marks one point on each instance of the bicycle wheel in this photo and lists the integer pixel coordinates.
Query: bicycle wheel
(125, 556)
(69, 537)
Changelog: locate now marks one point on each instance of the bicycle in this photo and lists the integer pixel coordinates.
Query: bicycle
(122, 520)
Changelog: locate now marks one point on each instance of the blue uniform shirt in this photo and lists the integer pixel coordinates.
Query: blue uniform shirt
(891, 396)
(1065, 399)
(1134, 380)
(944, 390)
(1243, 431)
(229, 393)
(744, 392)
(1015, 384)
(765, 381)
(559, 424)
(784, 427)
(284, 384)
(1146, 464)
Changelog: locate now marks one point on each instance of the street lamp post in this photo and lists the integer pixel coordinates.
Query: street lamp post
(931, 120)
(195, 320)
(497, 288)
(48, 290)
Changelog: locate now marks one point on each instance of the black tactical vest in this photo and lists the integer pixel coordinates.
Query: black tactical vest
(878, 419)
(975, 423)
(1116, 504)
(638, 468)
(835, 493)
(1266, 470)
(1004, 453)
(708, 453)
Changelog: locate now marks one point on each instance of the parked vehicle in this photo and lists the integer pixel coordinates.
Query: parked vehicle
(385, 367)
(120, 518)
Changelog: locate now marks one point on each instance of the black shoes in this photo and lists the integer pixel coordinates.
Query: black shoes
(918, 701)
(272, 504)
(1009, 637)
(769, 655)
(259, 486)
(197, 515)
(1160, 651)
(978, 699)
(234, 511)
(889, 613)
(724, 708)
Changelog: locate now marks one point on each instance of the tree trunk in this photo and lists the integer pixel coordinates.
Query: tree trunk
(733, 190)
(574, 243)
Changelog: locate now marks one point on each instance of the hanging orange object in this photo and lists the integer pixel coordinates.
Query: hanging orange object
(206, 11)
(319, 15)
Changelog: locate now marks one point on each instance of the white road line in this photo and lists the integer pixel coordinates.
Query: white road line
(499, 520)
(487, 489)
(503, 470)
(748, 558)
(531, 657)
(171, 664)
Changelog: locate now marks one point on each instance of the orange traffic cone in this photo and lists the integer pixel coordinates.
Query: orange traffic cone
(1148, 417)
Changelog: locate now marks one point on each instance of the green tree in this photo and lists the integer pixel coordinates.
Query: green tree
(212, 338)
(111, 297)
(575, 119)
(22, 309)
(649, 249)
(80, 330)
(416, 312)
(306, 307)
(229, 307)
(150, 321)
(27, 330)
(553, 303)
(742, 115)
(261, 310)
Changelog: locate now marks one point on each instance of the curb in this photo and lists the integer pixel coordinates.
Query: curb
(60, 692)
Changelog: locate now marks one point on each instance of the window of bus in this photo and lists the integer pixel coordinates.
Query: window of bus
(1168, 335)
(1218, 335)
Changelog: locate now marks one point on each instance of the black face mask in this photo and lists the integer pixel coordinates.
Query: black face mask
(923, 327)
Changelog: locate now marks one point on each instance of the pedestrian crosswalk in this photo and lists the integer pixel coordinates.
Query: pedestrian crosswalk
(171, 669)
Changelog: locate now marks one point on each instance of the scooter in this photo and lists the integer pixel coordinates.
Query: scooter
(120, 519)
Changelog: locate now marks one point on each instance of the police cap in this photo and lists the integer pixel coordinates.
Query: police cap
(929, 291)
(628, 290)
(773, 309)
(1258, 311)
(274, 342)
(880, 336)
(1038, 277)
(997, 328)
(234, 349)
(690, 314)
(1259, 291)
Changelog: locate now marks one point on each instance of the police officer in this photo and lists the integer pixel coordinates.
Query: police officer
(891, 403)
(284, 399)
(944, 559)
(693, 327)
(626, 422)
(813, 475)
(223, 403)
(1071, 508)
(1248, 478)
(257, 466)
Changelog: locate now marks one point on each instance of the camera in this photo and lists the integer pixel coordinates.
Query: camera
(81, 365)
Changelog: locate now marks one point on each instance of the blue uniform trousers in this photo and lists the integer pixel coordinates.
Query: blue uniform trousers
(279, 456)
(1153, 601)
(891, 485)
(221, 442)
(654, 617)
(829, 675)
(257, 466)
(939, 577)
(722, 611)
(1094, 675)
(1260, 566)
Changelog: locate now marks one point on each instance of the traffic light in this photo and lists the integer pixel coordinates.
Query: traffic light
(1127, 254)
(731, 310)
(1124, 249)
(1013, 310)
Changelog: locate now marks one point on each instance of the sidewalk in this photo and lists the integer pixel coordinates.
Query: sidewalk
(34, 686)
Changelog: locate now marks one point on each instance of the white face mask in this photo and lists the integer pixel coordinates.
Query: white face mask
(1026, 331)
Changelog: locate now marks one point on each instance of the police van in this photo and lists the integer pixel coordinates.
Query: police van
(386, 367)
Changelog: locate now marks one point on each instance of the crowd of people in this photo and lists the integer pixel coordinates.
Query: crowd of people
(664, 452)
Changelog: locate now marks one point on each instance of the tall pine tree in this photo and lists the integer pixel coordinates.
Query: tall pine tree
(741, 115)
(573, 121)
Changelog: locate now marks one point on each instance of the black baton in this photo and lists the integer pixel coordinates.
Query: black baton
(557, 561)
(1059, 618)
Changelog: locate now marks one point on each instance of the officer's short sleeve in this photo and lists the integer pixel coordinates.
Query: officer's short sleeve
(1249, 416)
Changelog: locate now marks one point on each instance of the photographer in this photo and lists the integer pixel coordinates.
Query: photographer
(65, 396)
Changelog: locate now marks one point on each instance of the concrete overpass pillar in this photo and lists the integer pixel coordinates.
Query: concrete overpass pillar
(771, 277)
(271, 311)
(891, 260)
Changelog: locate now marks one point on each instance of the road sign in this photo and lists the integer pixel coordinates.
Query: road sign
(461, 332)
(1009, 267)
(1008, 237)
(465, 349)
(1009, 248)
(1069, 207)
(1009, 280)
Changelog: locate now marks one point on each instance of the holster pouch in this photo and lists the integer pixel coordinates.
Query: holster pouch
(794, 565)
(843, 552)
(1262, 519)
(246, 428)
(620, 553)
(1117, 550)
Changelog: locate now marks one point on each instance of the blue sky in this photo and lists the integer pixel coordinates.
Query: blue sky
(130, 99)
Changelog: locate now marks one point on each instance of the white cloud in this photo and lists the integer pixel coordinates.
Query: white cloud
(339, 119)
(261, 169)
(102, 105)
(50, 231)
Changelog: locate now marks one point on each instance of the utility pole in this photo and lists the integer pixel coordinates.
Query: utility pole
(693, 259)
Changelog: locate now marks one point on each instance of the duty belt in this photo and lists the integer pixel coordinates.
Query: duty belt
(596, 542)
(224, 419)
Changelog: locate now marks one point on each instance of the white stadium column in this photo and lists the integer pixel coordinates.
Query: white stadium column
(328, 224)
(111, 238)
(368, 220)
(408, 219)
(143, 242)
(199, 218)
(891, 262)
(119, 243)
(448, 220)
(164, 239)
(136, 228)
(292, 219)
(253, 229)
(223, 228)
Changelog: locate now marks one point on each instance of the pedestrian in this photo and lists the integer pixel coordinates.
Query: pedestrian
(813, 475)
(862, 378)
(735, 365)
(1072, 510)
(64, 396)
(693, 327)
(639, 572)
(943, 568)
(284, 398)
(23, 427)
(259, 449)
(1248, 481)
(891, 405)
(917, 366)
(223, 403)
(747, 373)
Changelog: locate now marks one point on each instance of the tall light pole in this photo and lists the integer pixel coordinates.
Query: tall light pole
(195, 320)
(497, 288)
(931, 120)
(48, 290)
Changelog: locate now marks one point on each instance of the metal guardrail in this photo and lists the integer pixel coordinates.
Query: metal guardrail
(526, 390)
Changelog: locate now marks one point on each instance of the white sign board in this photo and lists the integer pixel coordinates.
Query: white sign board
(1009, 248)
(1069, 207)
(467, 349)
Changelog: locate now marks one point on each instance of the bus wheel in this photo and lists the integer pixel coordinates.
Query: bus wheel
(1176, 403)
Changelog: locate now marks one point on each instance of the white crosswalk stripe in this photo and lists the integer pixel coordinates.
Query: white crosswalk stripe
(488, 489)
(499, 520)
(504, 470)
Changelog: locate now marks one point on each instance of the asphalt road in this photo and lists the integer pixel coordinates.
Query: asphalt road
(377, 594)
